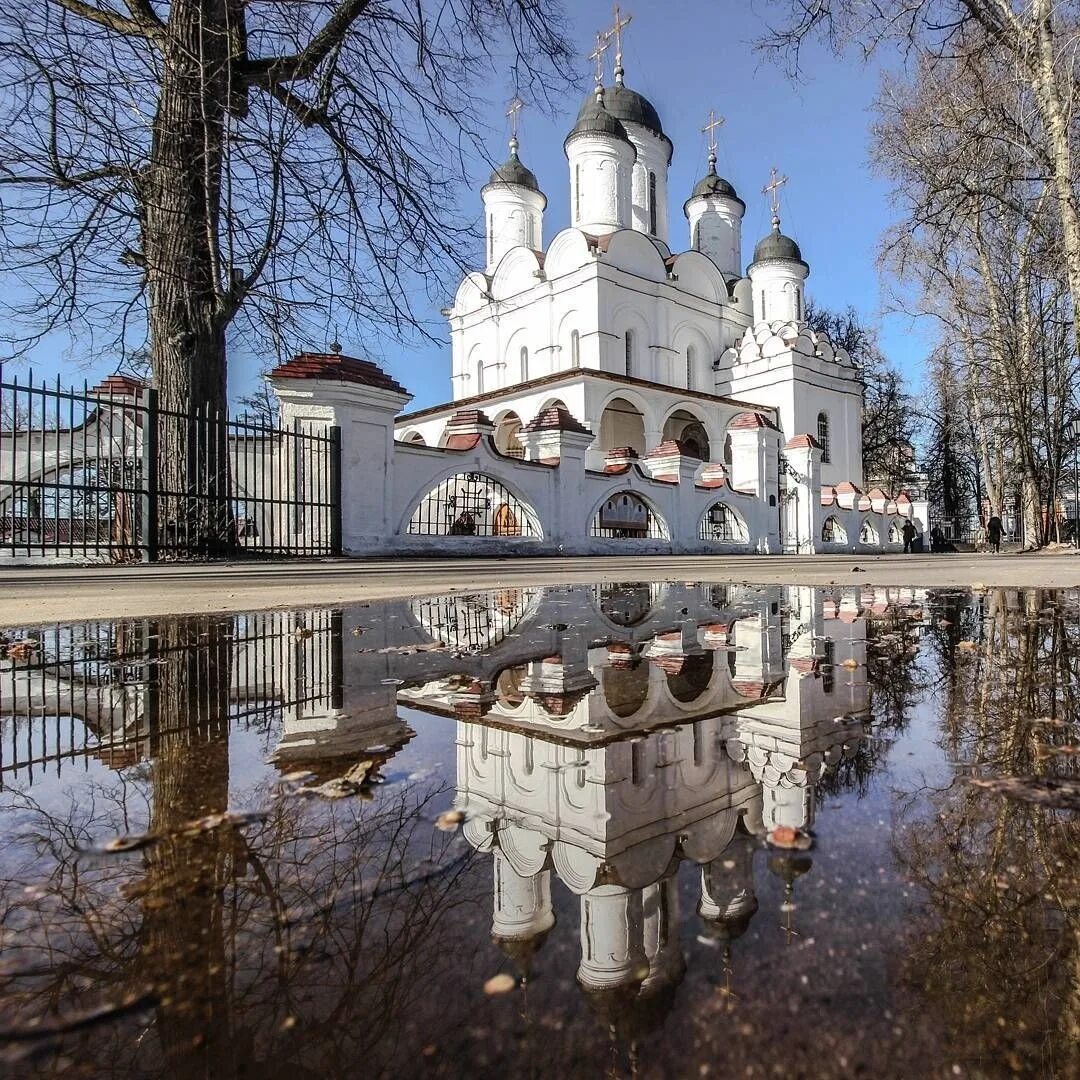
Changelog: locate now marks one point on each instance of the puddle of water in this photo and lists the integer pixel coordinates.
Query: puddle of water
(633, 829)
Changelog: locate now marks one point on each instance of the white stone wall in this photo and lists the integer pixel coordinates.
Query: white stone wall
(601, 168)
(513, 217)
(716, 231)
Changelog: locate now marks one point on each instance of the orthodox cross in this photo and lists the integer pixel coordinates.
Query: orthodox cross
(710, 129)
(772, 189)
(598, 55)
(513, 111)
(616, 31)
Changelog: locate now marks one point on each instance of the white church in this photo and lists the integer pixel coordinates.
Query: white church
(609, 394)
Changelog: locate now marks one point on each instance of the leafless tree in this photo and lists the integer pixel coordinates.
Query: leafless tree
(194, 172)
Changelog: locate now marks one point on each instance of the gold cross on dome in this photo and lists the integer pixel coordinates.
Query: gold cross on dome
(711, 128)
(772, 189)
(616, 31)
(513, 111)
(598, 55)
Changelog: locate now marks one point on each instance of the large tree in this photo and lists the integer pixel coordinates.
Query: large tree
(190, 171)
(888, 416)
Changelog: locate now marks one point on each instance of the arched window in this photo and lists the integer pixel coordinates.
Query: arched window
(575, 349)
(652, 203)
(823, 437)
(629, 353)
(691, 358)
(479, 376)
(798, 303)
(524, 363)
(577, 193)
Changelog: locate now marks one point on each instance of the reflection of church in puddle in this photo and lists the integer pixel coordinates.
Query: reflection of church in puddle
(657, 726)
(606, 738)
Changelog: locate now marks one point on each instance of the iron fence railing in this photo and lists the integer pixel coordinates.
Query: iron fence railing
(107, 474)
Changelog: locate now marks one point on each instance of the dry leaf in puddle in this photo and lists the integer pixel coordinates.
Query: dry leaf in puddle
(449, 820)
(500, 984)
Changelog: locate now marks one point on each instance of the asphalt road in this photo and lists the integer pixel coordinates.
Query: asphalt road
(31, 595)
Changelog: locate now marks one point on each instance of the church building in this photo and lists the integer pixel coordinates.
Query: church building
(647, 331)
(637, 385)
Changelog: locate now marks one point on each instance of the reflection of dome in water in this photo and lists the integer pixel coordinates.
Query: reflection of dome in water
(624, 604)
(625, 689)
(789, 866)
(693, 679)
(521, 950)
(629, 1012)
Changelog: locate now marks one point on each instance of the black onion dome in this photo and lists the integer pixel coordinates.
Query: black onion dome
(514, 172)
(632, 108)
(711, 184)
(778, 246)
(595, 119)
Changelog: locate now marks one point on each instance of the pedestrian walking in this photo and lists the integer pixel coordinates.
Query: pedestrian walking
(910, 533)
(994, 529)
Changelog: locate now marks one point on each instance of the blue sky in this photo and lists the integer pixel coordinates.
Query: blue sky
(688, 56)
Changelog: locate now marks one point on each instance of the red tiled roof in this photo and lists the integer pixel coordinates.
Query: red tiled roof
(556, 419)
(470, 416)
(338, 368)
(846, 487)
(802, 441)
(750, 420)
(119, 386)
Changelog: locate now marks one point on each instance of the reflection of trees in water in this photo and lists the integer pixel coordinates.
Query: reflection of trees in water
(998, 948)
(292, 943)
(897, 680)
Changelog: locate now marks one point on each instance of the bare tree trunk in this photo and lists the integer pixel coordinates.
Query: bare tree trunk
(187, 313)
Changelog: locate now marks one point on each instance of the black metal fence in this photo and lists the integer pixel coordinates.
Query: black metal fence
(92, 475)
(91, 691)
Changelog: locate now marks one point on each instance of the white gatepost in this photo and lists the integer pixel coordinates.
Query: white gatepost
(802, 516)
(755, 450)
(360, 399)
(554, 437)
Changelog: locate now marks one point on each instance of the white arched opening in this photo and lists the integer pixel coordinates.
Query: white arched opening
(507, 435)
(723, 525)
(622, 424)
(832, 532)
(690, 432)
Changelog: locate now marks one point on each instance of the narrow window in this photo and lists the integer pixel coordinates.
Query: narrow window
(823, 437)
(763, 303)
(828, 666)
(577, 193)
(575, 349)
(695, 240)
(691, 357)
(491, 238)
(798, 303)
(629, 357)
(524, 364)
(652, 203)
(479, 376)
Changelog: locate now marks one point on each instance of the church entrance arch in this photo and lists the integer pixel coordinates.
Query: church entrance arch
(622, 424)
(690, 432)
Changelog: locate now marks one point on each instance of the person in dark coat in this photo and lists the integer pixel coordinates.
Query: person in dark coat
(909, 534)
(994, 529)
(937, 539)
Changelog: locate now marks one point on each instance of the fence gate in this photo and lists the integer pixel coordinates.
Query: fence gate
(90, 475)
